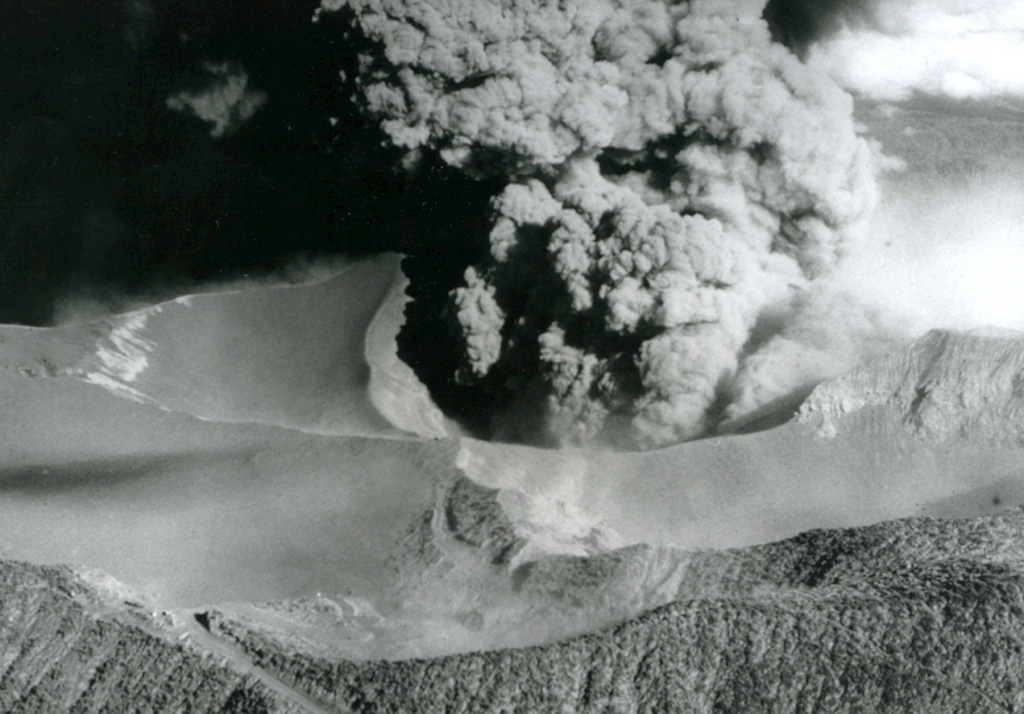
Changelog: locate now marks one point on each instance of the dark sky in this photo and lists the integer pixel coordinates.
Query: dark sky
(104, 192)
(103, 189)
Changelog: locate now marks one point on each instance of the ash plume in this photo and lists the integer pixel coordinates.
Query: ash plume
(671, 175)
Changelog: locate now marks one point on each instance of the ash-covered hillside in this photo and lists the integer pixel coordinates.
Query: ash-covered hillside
(946, 385)
(915, 615)
(453, 574)
(78, 642)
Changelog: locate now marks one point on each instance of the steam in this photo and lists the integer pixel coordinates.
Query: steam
(823, 333)
(672, 175)
(141, 17)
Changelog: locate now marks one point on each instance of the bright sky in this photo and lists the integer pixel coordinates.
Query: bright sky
(945, 256)
(956, 48)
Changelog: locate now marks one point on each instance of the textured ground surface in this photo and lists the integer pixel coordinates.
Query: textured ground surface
(68, 646)
(920, 615)
(916, 615)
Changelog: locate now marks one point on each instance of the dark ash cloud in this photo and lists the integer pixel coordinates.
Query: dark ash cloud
(669, 173)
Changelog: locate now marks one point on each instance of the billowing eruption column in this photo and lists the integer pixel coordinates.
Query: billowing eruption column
(672, 174)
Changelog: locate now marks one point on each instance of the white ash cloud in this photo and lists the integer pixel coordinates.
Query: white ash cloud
(672, 174)
(823, 333)
(226, 101)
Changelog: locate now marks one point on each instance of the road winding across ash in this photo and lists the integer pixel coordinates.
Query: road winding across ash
(192, 628)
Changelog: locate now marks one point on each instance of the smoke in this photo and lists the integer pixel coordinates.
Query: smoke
(226, 101)
(889, 49)
(672, 174)
(821, 334)
(140, 20)
(799, 24)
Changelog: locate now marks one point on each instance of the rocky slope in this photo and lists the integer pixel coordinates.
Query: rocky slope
(71, 645)
(915, 615)
(910, 615)
(946, 385)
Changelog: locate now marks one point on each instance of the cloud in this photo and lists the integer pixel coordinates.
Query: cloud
(964, 49)
(800, 23)
(821, 334)
(670, 174)
(226, 101)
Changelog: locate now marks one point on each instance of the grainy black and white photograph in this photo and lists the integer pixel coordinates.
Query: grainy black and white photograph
(511, 356)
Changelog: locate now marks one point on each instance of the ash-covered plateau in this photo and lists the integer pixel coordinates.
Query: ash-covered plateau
(511, 356)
